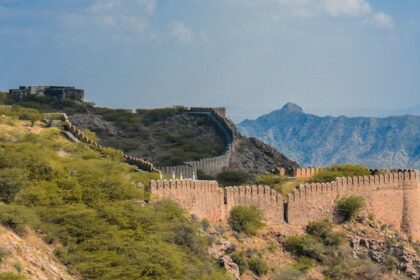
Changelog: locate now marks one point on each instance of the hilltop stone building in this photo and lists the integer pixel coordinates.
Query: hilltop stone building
(58, 92)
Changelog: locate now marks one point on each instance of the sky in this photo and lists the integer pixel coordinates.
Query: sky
(332, 57)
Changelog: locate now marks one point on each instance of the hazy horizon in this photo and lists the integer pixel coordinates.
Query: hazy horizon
(332, 57)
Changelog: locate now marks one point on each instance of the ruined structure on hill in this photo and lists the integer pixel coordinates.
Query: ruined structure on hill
(58, 92)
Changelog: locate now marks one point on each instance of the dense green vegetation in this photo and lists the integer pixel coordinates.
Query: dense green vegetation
(281, 184)
(348, 207)
(87, 204)
(331, 173)
(325, 246)
(233, 178)
(246, 219)
(151, 134)
(10, 276)
(250, 260)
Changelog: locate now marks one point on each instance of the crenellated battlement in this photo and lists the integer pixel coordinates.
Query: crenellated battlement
(306, 172)
(393, 197)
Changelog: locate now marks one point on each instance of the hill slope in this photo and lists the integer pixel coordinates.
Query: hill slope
(319, 141)
(91, 207)
(165, 136)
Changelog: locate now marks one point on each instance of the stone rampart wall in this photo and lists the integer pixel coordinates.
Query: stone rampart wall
(386, 196)
(202, 198)
(208, 165)
(393, 197)
(78, 134)
(306, 172)
(262, 197)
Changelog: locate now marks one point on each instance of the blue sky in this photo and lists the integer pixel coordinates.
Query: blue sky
(329, 56)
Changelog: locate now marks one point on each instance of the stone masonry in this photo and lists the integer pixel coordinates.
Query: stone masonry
(393, 197)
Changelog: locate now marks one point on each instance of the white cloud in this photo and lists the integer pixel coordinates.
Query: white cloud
(358, 9)
(149, 5)
(347, 7)
(180, 32)
(103, 6)
(106, 6)
(383, 20)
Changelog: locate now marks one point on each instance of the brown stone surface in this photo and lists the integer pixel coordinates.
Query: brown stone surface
(394, 198)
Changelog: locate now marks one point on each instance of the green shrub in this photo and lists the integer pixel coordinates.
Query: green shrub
(288, 273)
(348, 207)
(281, 184)
(272, 180)
(304, 264)
(4, 253)
(240, 259)
(323, 230)
(201, 175)
(331, 173)
(232, 178)
(205, 224)
(246, 219)
(10, 276)
(258, 266)
(12, 180)
(319, 228)
(305, 246)
(17, 218)
(351, 268)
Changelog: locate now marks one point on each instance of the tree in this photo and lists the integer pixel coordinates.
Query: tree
(247, 219)
(348, 207)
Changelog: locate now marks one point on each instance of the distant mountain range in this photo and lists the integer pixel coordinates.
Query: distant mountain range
(319, 141)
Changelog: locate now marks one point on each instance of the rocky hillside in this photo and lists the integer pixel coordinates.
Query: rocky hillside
(319, 141)
(362, 249)
(167, 139)
(176, 137)
(165, 136)
(256, 157)
(30, 257)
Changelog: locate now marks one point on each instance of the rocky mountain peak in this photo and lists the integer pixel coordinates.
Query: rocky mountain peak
(292, 108)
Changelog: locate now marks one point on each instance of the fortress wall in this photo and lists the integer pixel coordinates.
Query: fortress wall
(202, 198)
(411, 222)
(306, 172)
(393, 197)
(78, 134)
(385, 196)
(212, 165)
(262, 197)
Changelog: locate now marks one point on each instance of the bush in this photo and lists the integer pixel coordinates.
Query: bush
(12, 180)
(350, 268)
(247, 219)
(258, 266)
(232, 178)
(281, 184)
(304, 264)
(205, 224)
(17, 218)
(348, 207)
(4, 253)
(240, 259)
(305, 246)
(323, 230)
(10, 276)
(288, 273)
(345, 170)
(201, 175)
